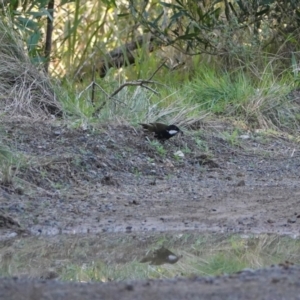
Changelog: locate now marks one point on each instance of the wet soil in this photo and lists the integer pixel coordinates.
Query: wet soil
(112, 179)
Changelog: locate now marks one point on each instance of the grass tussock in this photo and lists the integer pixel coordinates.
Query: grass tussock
(111, 257)
(8, 166)
(132, 105)
(24, 90)
(261, 102)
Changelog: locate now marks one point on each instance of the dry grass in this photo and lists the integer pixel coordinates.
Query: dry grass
(24, 89)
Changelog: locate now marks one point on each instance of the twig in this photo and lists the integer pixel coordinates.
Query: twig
(102, 89)
(293, 152)
(161, 65)
(93, 86)
(79, 95)
(139, 82)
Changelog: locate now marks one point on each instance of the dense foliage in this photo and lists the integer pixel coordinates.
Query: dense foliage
(84, 30)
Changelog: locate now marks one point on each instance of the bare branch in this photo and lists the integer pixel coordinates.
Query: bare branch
(139, 82)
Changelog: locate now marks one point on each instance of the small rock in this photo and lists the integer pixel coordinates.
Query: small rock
(275, 280)
(57, 132)
(109, 180)
(128, 229)
(241, 183)
(179, 153)
(129, 287)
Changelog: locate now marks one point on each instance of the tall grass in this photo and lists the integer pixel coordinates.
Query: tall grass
(131, 105)
(261, 102)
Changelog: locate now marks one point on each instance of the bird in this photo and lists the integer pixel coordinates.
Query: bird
(162, 131)
(161, 256)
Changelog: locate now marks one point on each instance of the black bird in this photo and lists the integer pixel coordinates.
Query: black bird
(162, 131)
(161, 256)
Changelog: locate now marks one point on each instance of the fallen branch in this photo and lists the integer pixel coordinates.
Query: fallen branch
(140, 82)
(119, 57)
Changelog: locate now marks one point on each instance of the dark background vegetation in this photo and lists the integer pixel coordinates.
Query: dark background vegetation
(231, 58)
(67, 34)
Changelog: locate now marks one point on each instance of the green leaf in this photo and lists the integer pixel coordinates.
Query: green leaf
(33, 40)
(266, 2)
(123, 15)
(187, 36)
(157, 19)
(37, 59)
(294, 64)
(110, 3)
(241, 5)
(262, 12)
(179, 2)
(62, 2)
(173, 6)
(28, 23)
(179, 15)
(41, 13)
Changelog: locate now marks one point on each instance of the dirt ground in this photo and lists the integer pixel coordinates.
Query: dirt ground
(112, 180)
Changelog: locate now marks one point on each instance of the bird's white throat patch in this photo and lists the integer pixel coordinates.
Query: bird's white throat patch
(172, 257)
(172, 132)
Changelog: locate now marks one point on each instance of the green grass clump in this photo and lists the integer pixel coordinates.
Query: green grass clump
(131, 105)
(9, 164)
(260, 101)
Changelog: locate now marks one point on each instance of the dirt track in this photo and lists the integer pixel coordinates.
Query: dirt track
(272, 284)
(112, 180)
